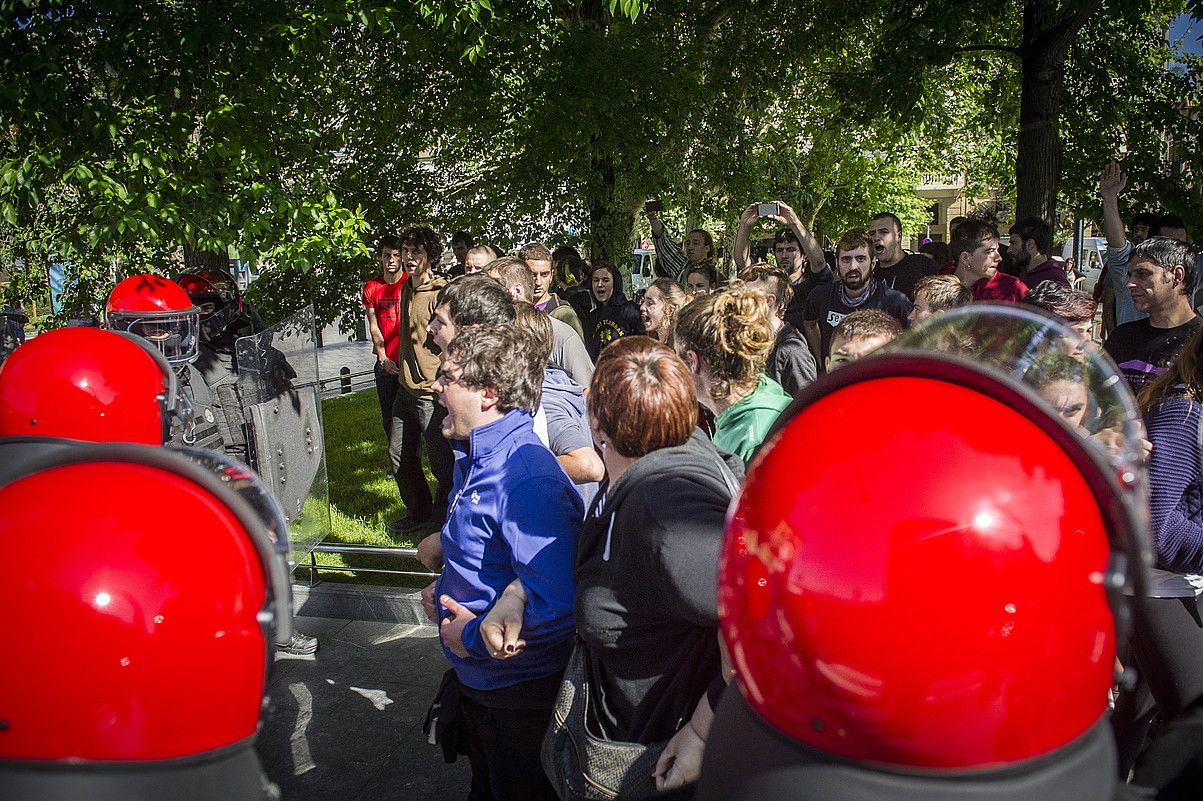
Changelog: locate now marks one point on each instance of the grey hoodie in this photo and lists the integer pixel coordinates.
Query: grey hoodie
(567, 423)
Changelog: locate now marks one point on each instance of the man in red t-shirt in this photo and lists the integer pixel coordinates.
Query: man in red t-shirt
(382, 305)
(975, 263)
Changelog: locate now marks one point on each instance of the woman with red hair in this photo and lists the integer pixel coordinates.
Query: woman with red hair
(646, 571)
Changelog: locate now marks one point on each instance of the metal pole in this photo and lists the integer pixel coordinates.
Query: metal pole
(344, 381)
(1079, 249)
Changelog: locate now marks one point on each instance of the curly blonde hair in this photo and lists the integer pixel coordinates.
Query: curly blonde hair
(730, 332)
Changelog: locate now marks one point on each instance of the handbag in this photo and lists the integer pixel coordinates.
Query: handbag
(583, 765)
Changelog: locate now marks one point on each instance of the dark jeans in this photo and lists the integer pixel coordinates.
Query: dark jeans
(413, 421)
(387, 387)
(503, 749)
(1166, 644)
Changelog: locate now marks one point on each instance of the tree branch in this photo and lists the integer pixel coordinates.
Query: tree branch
(995, 48)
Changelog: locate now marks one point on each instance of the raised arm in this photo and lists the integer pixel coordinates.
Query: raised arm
(670, 258)
(815, 261)
(653, 219)
(1111, 183)
(746, 221)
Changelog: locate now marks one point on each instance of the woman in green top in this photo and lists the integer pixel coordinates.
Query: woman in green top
(725, 340)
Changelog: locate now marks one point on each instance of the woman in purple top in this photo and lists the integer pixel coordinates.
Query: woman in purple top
(1167, 639)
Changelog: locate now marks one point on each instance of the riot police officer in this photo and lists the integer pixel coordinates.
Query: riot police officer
(931, 610)
(131, 672)
(160, 311)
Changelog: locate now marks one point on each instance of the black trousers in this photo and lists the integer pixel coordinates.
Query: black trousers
(1167, 647)
(387, 388)
(503, 731)
(414, 421)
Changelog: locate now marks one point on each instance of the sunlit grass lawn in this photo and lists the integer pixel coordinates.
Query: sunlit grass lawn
(363, 494)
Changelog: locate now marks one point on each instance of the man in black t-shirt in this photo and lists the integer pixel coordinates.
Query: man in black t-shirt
(898, 270)
(858, 288)
(1161, 276)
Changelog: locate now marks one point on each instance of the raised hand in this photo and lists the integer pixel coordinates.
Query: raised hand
(1113, 180)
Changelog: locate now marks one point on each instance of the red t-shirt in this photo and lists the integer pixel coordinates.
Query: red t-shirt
(1000, 286)
(386, 300)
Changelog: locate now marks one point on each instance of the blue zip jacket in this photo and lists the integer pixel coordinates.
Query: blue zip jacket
(514, 514)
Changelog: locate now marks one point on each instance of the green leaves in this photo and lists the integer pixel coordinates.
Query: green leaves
(298, 133)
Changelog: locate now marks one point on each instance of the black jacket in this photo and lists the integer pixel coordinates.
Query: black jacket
(647, 575)
(791, 364)
(616, 318)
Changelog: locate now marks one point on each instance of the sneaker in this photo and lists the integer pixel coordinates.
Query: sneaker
(409, 524)
(299, 645)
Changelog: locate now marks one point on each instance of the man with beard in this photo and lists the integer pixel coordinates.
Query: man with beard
(795, 250)
(1031, 243)
(898, 270)
(857, 289)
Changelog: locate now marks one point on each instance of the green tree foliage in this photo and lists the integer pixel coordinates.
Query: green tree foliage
(298, 132)
(131, 130)
(1096, 77)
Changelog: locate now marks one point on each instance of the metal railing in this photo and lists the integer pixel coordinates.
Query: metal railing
(363, 550)
(346, 380)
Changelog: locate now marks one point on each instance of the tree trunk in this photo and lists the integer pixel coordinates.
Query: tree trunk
(611, 224)
(1038, 156)
(206, 260)
(1042, 55)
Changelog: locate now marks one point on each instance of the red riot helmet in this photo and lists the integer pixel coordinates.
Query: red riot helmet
(927, 565)
(216, 296)
(165, 625)
(88, 384)
(158, 310)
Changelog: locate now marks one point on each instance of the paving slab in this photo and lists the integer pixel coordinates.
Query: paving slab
(346, 723)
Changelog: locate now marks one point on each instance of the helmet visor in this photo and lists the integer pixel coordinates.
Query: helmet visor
(1072, 374)
(175, 335)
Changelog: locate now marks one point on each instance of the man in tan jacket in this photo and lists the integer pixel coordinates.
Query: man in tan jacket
(417, 416)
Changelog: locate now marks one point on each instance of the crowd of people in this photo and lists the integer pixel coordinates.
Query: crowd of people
(677, 393)
(587, 449)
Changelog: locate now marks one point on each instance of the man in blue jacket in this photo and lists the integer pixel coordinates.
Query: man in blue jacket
(514, 514)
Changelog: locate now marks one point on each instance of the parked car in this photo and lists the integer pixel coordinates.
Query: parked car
(642, 272)
(1094, 253)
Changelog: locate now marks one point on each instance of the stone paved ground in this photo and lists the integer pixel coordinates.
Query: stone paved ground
(338, 352)
(346, 724)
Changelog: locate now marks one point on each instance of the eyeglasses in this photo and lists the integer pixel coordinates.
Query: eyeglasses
(445, 379)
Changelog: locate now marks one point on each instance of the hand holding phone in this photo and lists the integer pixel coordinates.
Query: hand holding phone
(653, 206)
(769, 209)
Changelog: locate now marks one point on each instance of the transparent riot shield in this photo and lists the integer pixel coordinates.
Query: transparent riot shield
(282, 409)
(1072, 375)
